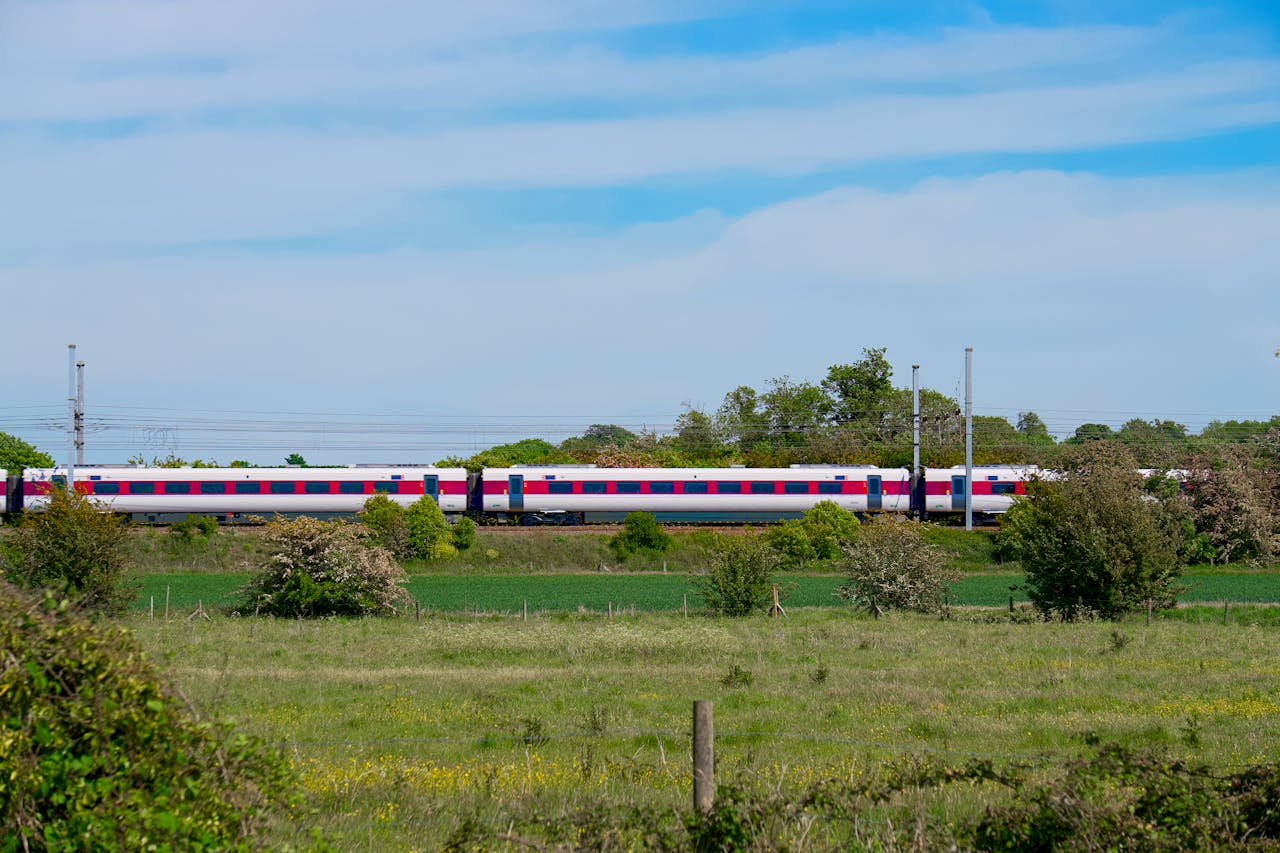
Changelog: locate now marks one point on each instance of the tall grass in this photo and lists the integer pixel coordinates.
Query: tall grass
(404, 731)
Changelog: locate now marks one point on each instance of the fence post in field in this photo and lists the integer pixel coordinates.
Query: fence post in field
(686, 604)
(1148, 611)
(704, 779)
(610, 609)
(153, 608)
(526, 610)
(166, 602)
(417, 614)
(1225, 605)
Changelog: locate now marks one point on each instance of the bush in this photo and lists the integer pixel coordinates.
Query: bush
(892, 566)
(822, 533)
(324, 568)
(739, 576)
(194, 527)
(464, 533)
(385, 519)
(100, 755)
(640, 532)
(74, 547)
(428, 536)
(1091, 542)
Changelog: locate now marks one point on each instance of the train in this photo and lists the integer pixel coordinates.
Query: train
(525, 494)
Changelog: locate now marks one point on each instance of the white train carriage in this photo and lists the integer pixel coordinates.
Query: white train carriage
(587, 493)
(232, 494)
(994, 488)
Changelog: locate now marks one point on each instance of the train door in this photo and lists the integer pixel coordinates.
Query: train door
(875, 492)
(957, 493)
(431, 486)
(515, 493)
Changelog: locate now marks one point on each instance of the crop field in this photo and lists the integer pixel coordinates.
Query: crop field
(407, 733)
(646, 592)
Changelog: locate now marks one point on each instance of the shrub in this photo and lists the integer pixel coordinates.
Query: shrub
(75, 547)
(822, 533)
(428, 536)
(464, 533)
(385, 519)
(323, 568)
(640, 532)
(1091, 542)
(193, 527)
(100, 755)
(892, 566)
(739, 576)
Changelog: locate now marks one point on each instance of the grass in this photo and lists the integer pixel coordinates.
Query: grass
(404, 731)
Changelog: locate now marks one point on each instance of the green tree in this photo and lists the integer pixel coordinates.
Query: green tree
(738, 579)
(75, 547)
(295, 459)
(1235, 505)
(640, 533)
(740, 419)
(794, 410)
(1033, 429)
(1091, 432)
(464, 533)
(859, 391)
(822, 533)
(893, 567)
(16, 454)
(100, 754)
(314, 568)
(386, 521)
(697, 435)
(1090, 541)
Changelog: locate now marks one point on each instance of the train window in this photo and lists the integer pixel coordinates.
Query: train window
(213, 488)
(830, 488)
(177, 488)
(1003, 488)
(59, 481)
(662, 488)
(796, 488)
(560, 488)
(695, 488)
(248, 489)
(106, 488)
(316, 488)
(729, 488)
(142, 488)
(762, 488)
(282, 487)
(387, 488)
(350, 487)
(593, 488)
(628, 488)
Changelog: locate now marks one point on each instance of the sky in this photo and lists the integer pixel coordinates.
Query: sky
(394, 230)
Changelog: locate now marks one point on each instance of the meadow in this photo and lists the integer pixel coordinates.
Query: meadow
(505, 731)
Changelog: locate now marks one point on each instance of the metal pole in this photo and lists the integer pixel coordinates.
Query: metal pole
(968, 438)
(915, 439)
(71, 403)
(79, 412)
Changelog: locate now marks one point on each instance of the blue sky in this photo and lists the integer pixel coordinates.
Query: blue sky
(397, 229)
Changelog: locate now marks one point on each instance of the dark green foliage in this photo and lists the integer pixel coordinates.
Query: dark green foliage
(464, 533)
(75, 547)
(739, 576)
(893, 567)
(640, 533)
(99, 755)
(822, 533)
(295, 459)
(323, 568)
(16, 454)
(194, 527)
(1091, 542)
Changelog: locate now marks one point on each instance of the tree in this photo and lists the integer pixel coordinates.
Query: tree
(793, 410)
(100, 754)
(295, 459)
(1090, 541)
(1033, 430)
(696, 434)
(860, 390)
(75, 547)
(1235, 506)
(427, 533)
(16, 454)
(738, 579)
(640, 533)
(740, 419)
(314, 568)
(386, 521)
(1091, 432)
(893, 567)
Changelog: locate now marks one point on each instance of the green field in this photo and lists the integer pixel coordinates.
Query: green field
(406, 732)
(648, 592)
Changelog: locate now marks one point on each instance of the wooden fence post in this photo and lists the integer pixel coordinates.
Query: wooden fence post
(704, 779)
(166, 602)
